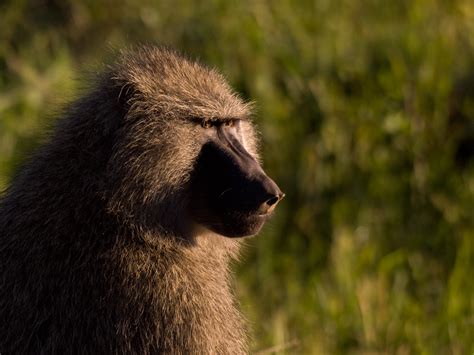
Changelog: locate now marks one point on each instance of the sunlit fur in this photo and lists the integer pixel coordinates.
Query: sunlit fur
(97, 253)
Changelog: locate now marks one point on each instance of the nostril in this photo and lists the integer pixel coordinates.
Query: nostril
(270, 204)
(272, 201)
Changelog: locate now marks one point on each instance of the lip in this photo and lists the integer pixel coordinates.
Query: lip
(255, 217)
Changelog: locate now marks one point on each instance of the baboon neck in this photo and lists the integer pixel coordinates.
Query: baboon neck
(191, 298)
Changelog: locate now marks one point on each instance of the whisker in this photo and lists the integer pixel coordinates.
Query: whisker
(223, 192)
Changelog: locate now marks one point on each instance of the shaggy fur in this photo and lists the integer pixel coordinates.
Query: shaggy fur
(97, 255)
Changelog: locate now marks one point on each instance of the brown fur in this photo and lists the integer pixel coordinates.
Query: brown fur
(97, 253)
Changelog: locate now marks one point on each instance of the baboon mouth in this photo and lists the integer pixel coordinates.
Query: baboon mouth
(251, 215)
(236, 224)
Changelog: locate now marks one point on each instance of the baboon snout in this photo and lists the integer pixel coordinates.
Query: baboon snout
(235, 181)
(231, 194)
(268, 196)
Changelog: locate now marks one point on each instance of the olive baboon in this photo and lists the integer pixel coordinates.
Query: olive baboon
(116, 237)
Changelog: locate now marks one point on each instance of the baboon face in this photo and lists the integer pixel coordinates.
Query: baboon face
(186, 154)
(231, 194)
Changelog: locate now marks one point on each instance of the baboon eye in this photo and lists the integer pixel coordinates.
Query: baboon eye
(229, 123)
(206, 123)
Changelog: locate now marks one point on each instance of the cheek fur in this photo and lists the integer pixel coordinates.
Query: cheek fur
(249, 139)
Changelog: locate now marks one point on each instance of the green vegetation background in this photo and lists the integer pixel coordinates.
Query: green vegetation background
(366, 110)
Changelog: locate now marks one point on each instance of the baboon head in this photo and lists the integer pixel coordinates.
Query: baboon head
(185, 154)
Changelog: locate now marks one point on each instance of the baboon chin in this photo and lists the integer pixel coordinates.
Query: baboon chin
(95, 250)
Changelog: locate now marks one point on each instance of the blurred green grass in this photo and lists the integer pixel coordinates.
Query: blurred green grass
(366, 111)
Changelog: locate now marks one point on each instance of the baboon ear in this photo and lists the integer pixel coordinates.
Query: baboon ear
(125, 94)
(116, 101)
(106, 106)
